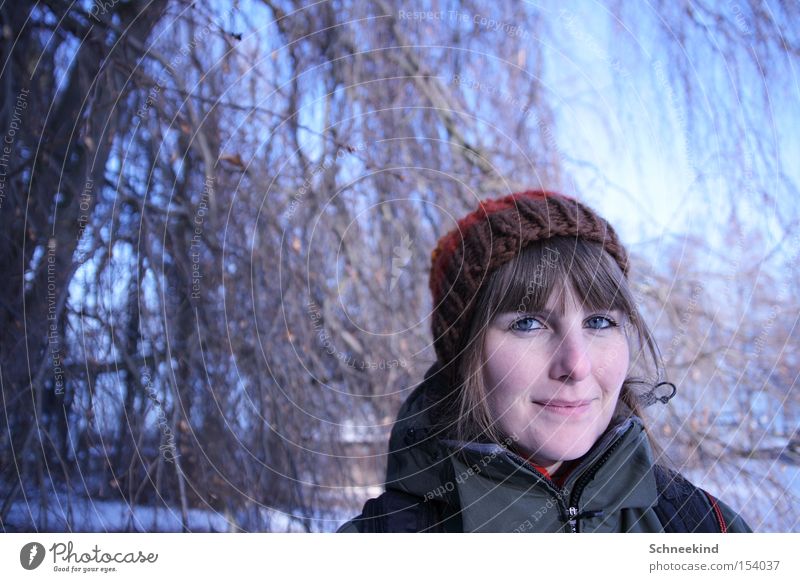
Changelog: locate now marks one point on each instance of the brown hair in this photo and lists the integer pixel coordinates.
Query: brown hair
(525, 284)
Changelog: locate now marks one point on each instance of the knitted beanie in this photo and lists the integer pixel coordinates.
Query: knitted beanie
(490, 236)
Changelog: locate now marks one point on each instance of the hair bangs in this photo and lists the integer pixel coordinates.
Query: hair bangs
(526, 283)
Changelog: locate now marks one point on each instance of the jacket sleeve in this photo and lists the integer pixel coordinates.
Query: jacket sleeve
(736, 524)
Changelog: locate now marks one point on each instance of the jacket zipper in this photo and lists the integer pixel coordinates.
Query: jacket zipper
(571, 509)
(558, 493)
(580, 485)
(573, 519)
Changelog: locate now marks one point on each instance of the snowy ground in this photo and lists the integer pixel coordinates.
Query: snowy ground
(86, 515)
(81, 514)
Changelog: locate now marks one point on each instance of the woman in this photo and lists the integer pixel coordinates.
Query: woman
(530, 420)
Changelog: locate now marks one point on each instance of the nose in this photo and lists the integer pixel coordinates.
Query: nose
(571, 361)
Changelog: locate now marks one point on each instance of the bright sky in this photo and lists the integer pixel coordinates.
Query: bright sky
(620, 111)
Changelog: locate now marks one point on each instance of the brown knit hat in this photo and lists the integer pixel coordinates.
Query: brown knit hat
(490, 236)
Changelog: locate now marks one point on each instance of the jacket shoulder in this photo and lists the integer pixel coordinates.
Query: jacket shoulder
(685, 507)
(734, 522)
(393, 511)
(348, 527)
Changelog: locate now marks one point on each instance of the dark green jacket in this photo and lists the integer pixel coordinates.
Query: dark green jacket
(485, 487)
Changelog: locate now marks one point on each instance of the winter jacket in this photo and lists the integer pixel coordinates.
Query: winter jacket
(437, 484)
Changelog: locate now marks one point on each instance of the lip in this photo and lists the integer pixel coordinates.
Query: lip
(565, 407)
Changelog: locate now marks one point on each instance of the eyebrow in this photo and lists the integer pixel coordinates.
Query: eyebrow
(549, 312)
(520, 313)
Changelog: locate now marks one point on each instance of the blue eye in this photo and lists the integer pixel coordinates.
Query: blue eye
(603, 322)
(530, 323)
(525, 327)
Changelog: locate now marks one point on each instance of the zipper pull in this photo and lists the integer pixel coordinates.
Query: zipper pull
(573, 519)
(574, 516)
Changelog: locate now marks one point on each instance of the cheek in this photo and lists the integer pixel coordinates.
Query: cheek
(510, 357)
(500, 385)
(612, 367)
(505, 376)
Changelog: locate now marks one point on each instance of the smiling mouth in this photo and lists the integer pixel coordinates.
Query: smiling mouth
(565, 407)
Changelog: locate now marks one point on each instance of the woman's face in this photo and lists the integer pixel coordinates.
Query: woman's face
(553, 380)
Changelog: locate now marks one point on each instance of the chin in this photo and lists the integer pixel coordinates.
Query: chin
(551, 455)
(572, 453)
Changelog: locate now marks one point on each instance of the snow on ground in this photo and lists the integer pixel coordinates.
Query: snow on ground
(87, 515)
(81, 514)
